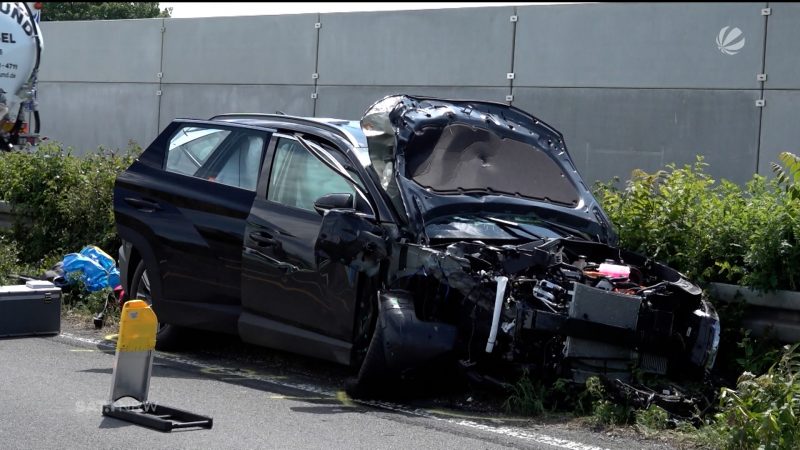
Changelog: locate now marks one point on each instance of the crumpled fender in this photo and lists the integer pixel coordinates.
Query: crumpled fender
(407, 341)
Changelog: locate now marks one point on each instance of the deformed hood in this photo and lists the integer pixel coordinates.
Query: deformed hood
(465, 158)
(437, 157)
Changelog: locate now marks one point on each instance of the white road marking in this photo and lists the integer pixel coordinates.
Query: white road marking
(517, 433)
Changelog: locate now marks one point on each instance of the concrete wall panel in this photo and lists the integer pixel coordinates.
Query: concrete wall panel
(454, 47)
(779, 132)
(610, 132)
(119, 51)
(783, 58)
(637, 45)
(204, 101)
(88, 115)
(629, 85)
(241, 50)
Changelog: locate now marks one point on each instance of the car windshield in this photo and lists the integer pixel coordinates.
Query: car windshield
(490, 227)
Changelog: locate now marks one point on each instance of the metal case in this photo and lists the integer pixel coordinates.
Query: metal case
(33, 308)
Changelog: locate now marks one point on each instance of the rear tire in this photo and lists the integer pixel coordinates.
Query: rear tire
(168, 335)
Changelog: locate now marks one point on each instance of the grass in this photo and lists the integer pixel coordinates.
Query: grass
(85, 305)
(527, 397)
(535, 397)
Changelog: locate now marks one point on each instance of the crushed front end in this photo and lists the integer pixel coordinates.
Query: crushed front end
(502, 258)
(562, 307)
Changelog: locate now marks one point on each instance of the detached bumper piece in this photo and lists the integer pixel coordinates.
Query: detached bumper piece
(159, 417)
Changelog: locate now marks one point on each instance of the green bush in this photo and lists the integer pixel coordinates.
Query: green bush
(62, 202)
(8, 260)
(709, 230)
(762, 412)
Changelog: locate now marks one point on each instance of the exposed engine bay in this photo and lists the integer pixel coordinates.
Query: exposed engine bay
(562, 306)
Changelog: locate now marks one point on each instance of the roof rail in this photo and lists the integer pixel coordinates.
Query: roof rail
(293, 119)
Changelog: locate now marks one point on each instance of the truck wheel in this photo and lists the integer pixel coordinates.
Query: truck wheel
(168, 335)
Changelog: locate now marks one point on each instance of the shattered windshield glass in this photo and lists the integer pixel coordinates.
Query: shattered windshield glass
(380, 137)
(489, 228)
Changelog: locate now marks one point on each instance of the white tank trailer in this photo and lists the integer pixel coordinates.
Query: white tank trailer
(20, 52)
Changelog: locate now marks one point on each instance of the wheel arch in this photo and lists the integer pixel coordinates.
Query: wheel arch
(366, 286)
(141, 250)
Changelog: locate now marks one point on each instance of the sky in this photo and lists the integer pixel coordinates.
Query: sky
(189, 9)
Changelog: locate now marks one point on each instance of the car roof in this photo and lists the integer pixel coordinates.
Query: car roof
(350, 130)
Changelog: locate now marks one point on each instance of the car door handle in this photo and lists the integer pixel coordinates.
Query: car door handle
(142, 205)
(263, 240)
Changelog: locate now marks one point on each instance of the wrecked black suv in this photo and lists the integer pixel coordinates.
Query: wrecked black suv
(433, 230)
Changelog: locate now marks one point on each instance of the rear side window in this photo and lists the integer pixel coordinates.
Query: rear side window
(190, 148)
(298, 178)
(241, 163)
(216, 155)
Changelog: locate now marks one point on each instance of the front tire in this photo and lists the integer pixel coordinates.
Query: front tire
(168, 335)
(365, 323)
(373, 374)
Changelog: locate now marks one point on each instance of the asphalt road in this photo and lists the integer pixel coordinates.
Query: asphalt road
(52, 389)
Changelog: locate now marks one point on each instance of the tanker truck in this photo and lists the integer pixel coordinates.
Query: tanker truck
(20, 52)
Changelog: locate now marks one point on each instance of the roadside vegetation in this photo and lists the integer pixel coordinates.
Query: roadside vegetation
(712, 231)
(758, 411)
(60, 203)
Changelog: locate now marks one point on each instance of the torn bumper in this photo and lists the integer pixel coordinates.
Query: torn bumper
(409, 342)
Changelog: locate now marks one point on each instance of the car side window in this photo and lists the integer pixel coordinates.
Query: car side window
(213, 154)
(191, 146)
(298, 178)
(241, 163)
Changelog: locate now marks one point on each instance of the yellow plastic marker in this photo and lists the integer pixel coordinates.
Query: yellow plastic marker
(137, 327)
(136, 344)
(133, 365)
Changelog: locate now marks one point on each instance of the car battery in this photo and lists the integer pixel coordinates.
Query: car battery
(33, 308)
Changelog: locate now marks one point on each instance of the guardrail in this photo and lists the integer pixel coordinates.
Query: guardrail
(774, 313)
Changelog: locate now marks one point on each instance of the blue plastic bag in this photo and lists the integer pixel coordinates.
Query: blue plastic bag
(94, 267)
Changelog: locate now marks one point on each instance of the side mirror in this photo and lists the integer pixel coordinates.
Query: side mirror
(349, 238)
(333, 201)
